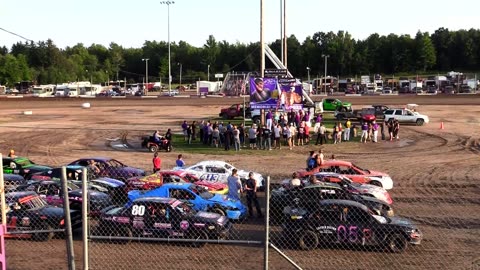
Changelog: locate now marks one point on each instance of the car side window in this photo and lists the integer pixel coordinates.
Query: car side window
(83, 163)
(214, 169)
(389, 112)
(331, 216)
(181, 194)
(42, 189)
(398, 112)
(197, 168)
(354, 215)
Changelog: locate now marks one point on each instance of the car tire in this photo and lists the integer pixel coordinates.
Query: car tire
(224, 116)
(397, 243)
(308, 240)
(153, 148)
(420, 122)
(43, 236)
(198, 235)
(219, 211)
(256, 120)
(122, 231)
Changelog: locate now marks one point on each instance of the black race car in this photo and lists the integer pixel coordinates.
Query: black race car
(349, 223)
(28, 211)
(165, 218)
(22, 166)
(12, 181)
(51, 191)
(308, 197)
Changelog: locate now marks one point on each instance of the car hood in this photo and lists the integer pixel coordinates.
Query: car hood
(50, 211)
(94, 195)
(109, 181)
(402, 221)
(130, 171)
(377, 173)
(225, 201)
(212, 185)
(346, 104)
(36, 168)
(208, 217)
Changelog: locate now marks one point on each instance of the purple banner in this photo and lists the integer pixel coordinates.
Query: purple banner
(264, 93)
(291, 97)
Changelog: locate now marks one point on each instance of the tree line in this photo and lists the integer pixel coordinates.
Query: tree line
(44, 63)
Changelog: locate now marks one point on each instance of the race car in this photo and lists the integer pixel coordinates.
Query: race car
(74, 172)
(13, 181)
(348, 223)
(353, 172)
(218, 171)
(29, 212)
(282, 199)
(200, 198)
(159, 178)
(110, 167)
(163, 218)
(51, 191)
(22, 166)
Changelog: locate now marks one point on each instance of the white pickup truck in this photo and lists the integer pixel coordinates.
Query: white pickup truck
(406, 116)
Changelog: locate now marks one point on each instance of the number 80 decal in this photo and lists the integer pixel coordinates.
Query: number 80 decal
(138, 210)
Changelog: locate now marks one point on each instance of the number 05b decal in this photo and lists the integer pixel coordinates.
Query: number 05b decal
(351, 234)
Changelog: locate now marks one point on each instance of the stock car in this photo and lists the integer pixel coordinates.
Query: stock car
(29, 212)
(74, 172)
(22, 166)
(349, 223)
(353, 172)
(218, 171)
(110, 167)
(163, 217)
(282, 199)
(51, 191)
(13, 181)
(200, 198)
(159, 178)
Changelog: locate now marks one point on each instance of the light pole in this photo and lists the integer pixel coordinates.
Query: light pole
(308, 72)
(208, 73)
(180, 64)
(168, 3)
(325, 78)
(146, 75)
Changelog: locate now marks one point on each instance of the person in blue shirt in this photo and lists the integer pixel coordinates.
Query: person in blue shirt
(234, 186)
(180, 162)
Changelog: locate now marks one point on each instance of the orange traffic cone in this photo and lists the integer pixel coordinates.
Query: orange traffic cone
(441, 125)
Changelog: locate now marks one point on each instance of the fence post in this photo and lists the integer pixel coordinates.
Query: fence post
(3, 228)
(267, 222)
(68, 221)
(85, 218)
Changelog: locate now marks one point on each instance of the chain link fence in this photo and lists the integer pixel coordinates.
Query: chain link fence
(164, 221)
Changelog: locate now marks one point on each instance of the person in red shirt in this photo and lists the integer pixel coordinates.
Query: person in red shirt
(157, 162)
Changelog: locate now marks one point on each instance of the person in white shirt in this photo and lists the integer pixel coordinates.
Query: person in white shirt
(295, 181)
(276, 134)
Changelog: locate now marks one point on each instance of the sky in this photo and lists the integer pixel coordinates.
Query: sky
(131, 23)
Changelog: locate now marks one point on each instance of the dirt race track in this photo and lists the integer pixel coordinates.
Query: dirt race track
(435, 172)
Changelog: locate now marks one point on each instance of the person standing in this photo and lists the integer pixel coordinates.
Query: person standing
(375, 127)
(189, 134)
(251, 192)
(276, 134)
(236, 138)
(320, 157)
(11, 154)
(184, 129)
(364, 136)
(269, 118)
(390, 128)
(234, 186)
(346, 132)
(252, 136)
(241, 131)
(267, 138)
(92, 169)
(157, 162)
(180, 162)
(194, 130)
(396, 129)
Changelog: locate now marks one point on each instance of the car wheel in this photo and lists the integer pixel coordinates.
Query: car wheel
(198, 235)
(224, 116)
(120, 232)
(308, 240)
(43, 236)
(376, 183)
(219, 211)
(169, 148)
(153, 148)
(419, 122)
(256, 120)
(397, 243)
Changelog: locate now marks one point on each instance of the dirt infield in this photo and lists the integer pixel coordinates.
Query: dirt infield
(435, 174)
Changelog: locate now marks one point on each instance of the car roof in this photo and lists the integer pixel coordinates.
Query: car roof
(19, 194)
(209, 162)
(95, 158)
(184, 185)
(322, 185)
(344, 202)
(336, 163)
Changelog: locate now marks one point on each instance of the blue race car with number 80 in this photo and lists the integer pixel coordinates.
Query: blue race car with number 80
(199, 198)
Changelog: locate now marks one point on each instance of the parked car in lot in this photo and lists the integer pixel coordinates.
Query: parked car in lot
(28, 212)
(349, 223)
(200, 198)
(110, 167)
(163, 218)
(333, 104)
(22, 166)
(406, 116)
(352, 171)
(387, 90)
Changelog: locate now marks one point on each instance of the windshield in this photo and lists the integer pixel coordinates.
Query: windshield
(360, 169)
(115, 164)
(32, 202)
(201, 191)
(24, 162)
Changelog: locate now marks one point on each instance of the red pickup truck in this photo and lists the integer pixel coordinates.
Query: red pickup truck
(236, 110)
